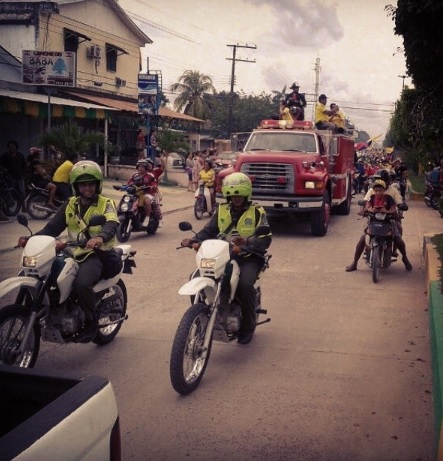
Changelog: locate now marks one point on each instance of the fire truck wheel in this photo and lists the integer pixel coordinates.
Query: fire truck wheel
(320, 219)
(345, 207)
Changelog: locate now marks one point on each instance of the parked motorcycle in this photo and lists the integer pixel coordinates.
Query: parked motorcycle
(203, 201)
(131, 214)
(37, 203)
(379, 240)
(433, 193)
(215, 313)
(45, 307)
(10, 202)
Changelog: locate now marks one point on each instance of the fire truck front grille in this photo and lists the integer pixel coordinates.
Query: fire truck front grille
(270, 177)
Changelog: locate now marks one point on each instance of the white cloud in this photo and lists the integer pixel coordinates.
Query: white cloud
(353, 40)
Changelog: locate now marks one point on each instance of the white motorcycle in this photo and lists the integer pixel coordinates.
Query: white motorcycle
(215, 313)
(45, 307)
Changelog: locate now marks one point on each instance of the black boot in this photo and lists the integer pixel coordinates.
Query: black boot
(88, 332)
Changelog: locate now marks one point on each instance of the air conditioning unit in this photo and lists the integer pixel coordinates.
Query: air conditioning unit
(120, 82)
(94, 52)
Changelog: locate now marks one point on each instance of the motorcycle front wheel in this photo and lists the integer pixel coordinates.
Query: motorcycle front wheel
(188, 359)
(123, 231)
(11, 202)
(13, 320)
(199, 208)
(37, 207)
(434, 199)
(376, 259)
(113, 308)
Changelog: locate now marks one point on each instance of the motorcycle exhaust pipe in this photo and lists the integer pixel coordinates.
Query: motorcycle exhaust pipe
(103, 325)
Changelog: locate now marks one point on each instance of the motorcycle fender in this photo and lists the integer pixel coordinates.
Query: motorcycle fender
(198, 284)
(11, 284)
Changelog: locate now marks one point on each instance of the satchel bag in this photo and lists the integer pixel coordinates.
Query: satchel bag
(111, 261)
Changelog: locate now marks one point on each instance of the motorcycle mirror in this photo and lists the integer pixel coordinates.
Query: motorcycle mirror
(97, 220)
(185, 226)
(22, 219)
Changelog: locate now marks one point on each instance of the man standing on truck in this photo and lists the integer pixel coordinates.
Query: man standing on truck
(296, 101)
(322, 115)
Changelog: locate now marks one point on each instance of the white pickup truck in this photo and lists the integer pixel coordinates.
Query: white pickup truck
(51, 418)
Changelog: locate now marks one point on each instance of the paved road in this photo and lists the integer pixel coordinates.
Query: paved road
(341, 373)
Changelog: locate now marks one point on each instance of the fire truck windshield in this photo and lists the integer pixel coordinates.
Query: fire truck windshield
(282, 141)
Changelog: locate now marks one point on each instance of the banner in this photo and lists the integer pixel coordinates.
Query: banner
(55, 68)
(148, 94)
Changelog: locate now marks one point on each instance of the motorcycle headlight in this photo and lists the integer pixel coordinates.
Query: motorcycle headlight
(126, 198)
(124, 207)
(207, 263)
(29, 261)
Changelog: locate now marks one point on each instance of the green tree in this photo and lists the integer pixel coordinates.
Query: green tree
(192, 87)
(416, 124)
(70, 139)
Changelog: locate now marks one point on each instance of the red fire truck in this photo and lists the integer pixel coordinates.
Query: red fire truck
(295, 168)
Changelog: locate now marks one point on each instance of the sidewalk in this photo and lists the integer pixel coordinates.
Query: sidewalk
(175, 198)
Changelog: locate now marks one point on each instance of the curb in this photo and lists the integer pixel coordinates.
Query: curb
(435, 304)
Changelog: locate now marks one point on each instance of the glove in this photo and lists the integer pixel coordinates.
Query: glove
(186, 243)
(22, 241)
(238, 241)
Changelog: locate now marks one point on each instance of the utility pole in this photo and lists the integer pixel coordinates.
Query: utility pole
(403, 85)
(234, 59)
(317, 83)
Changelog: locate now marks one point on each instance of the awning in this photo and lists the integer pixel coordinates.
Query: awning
(36, 105)
(133, 106)
(116, 104)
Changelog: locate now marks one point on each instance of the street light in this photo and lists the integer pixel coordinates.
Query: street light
(403, 77)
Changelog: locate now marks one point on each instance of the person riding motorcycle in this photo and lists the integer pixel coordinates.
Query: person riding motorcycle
(384, 203)
(246, 226)
(207, 175)
(86, 180)
(147, 184)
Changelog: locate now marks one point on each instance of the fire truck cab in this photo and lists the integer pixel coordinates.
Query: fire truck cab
(295, 168)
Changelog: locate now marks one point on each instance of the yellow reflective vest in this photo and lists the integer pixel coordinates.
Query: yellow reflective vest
(246, 224)
(75, 224)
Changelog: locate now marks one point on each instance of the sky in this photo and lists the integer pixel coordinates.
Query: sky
(360, 59)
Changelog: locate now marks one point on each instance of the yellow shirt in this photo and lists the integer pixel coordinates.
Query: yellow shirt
(320, 115)
(62, 172)
(208, 177)
(338, 119)
(286, 115)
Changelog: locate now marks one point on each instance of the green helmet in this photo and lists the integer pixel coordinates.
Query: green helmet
(86, 171)
(237, 184)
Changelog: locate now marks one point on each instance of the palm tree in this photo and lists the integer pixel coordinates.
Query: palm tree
(278, 95)
(192, 86)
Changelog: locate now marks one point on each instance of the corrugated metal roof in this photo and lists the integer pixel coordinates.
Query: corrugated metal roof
(42, 98)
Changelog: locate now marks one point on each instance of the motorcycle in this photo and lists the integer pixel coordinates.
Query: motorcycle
(432, 195)
(379, 241)
(131, 214)
(215, 313)
(45, 307)
(203, 201)
(36, 203)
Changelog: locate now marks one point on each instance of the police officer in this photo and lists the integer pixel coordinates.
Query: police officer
(246, 226)
(86, 179)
